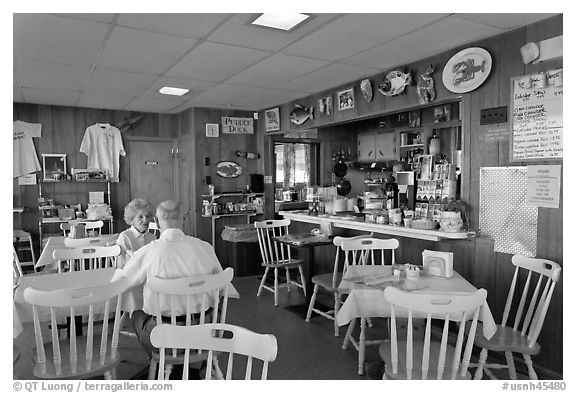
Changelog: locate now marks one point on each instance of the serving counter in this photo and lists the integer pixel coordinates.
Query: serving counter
(358, 223)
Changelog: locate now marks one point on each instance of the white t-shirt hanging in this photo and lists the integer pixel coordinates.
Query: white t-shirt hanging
(102, 143)
(24, 156)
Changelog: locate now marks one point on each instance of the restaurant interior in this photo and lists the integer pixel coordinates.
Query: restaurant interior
(384, 193)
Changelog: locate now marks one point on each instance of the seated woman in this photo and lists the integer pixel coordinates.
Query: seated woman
(137, 214)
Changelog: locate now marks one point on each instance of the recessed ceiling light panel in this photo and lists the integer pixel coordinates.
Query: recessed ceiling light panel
(173, 91)
(280, 21)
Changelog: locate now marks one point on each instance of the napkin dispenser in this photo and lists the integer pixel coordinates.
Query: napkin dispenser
(437, 263)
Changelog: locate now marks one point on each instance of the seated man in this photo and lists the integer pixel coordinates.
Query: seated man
(174, 255)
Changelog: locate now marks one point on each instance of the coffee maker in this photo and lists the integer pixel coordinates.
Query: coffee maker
(406, 183)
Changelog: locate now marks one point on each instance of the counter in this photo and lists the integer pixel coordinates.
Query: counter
(360, 225)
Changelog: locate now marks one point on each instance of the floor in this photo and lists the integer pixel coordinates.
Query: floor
(305, 350)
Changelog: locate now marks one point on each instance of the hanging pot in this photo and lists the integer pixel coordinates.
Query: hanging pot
(343, 187)
(340, 169)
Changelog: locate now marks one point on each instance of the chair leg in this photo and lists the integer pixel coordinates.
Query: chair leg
(107, 375)
(362, 346)
(531, 372)
(288, 279)
(263, 280)
(312, 301)
(336, 309)
(348, 334)
(301, 270)
(152, 370)
(481, 363)
(511, 367)
(276, 286)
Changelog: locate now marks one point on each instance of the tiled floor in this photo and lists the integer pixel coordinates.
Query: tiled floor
(305, 350)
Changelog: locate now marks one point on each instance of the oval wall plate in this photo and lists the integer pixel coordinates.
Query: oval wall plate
(467, 70)
(228, 169)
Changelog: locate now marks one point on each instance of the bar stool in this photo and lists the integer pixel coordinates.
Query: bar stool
(22, 241)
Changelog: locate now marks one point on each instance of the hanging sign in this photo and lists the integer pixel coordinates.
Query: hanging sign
(237, 125)
(543, 187)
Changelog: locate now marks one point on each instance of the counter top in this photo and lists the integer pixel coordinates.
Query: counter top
(361, 225)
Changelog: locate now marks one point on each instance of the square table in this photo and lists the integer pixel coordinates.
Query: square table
(365, 301)
(57, 242)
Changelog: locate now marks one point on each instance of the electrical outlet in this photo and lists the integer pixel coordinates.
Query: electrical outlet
(494, 115)
(208, 180)
(207, 161)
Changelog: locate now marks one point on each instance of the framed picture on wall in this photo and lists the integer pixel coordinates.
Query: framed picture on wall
(272, 119)
(54, 167)
(346, 99)
(212, 130)
(325, 105)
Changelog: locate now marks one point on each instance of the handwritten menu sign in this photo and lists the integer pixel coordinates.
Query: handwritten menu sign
(536, 113)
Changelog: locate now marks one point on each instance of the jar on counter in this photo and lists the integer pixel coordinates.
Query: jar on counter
(215, 209)
(382, 218)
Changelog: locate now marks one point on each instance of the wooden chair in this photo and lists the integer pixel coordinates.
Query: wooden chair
(330, 283)
(276, 255)
(522, 336)
(153, 227)
(218, 337)
(86, 257)
(95, 226)
(205, 289)
(85, 358)
(85, 242)
(22, 241)
(16, 266)
(365, 252)
(416, 359)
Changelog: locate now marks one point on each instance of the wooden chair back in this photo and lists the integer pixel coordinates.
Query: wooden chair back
(153, 227)
(368, 251)
(221, 338)
(273, 251)
(85, 359)
(337, 241)
(16, 266)
(83, 258)
(85, 242)
(89, 225)
(530, 321)
(446, 307)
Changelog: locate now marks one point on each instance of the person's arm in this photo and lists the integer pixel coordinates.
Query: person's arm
(135, 269)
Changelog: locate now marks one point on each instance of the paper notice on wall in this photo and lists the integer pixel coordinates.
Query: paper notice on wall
(543, 187)
(96, 197)
(27, 180)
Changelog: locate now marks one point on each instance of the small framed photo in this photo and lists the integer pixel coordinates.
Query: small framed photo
(54, 167)
(346, 99)
(272, 119)
(212, 130)
(325, 105)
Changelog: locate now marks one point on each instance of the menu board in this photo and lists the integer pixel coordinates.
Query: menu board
(536, 114)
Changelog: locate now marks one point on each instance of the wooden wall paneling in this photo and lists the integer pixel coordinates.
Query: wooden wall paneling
(484, 272)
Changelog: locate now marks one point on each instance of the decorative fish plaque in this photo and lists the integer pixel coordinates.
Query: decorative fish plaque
(300, 114)
(394, 83)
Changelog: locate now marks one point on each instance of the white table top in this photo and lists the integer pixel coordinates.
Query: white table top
(369, 301)
(57, 242)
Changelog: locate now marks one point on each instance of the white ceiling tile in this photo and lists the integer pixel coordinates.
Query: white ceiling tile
(215, 62)
(51, 96)
(40, 75)
(95, 99)
(143, 51)
(328, 77)
(505, 21)
(185, 25)
(357, 33)
(56, 39)
(194, 86)
(153, 105)
(225, 94)
(239, 31)
(105, 18)
(423, 43)
(110, 81)
(17, 95)
(276, 70)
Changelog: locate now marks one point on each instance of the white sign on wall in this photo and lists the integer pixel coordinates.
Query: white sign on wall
(543, 188)
(237, 125)
(211, 130)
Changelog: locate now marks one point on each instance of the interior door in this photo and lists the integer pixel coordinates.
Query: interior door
(152, 169)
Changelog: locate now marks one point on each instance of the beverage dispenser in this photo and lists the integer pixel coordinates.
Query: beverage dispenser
(406, 189)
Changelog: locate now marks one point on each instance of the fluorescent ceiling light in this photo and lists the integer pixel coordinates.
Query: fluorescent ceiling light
(280, 21)
(173, 91)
